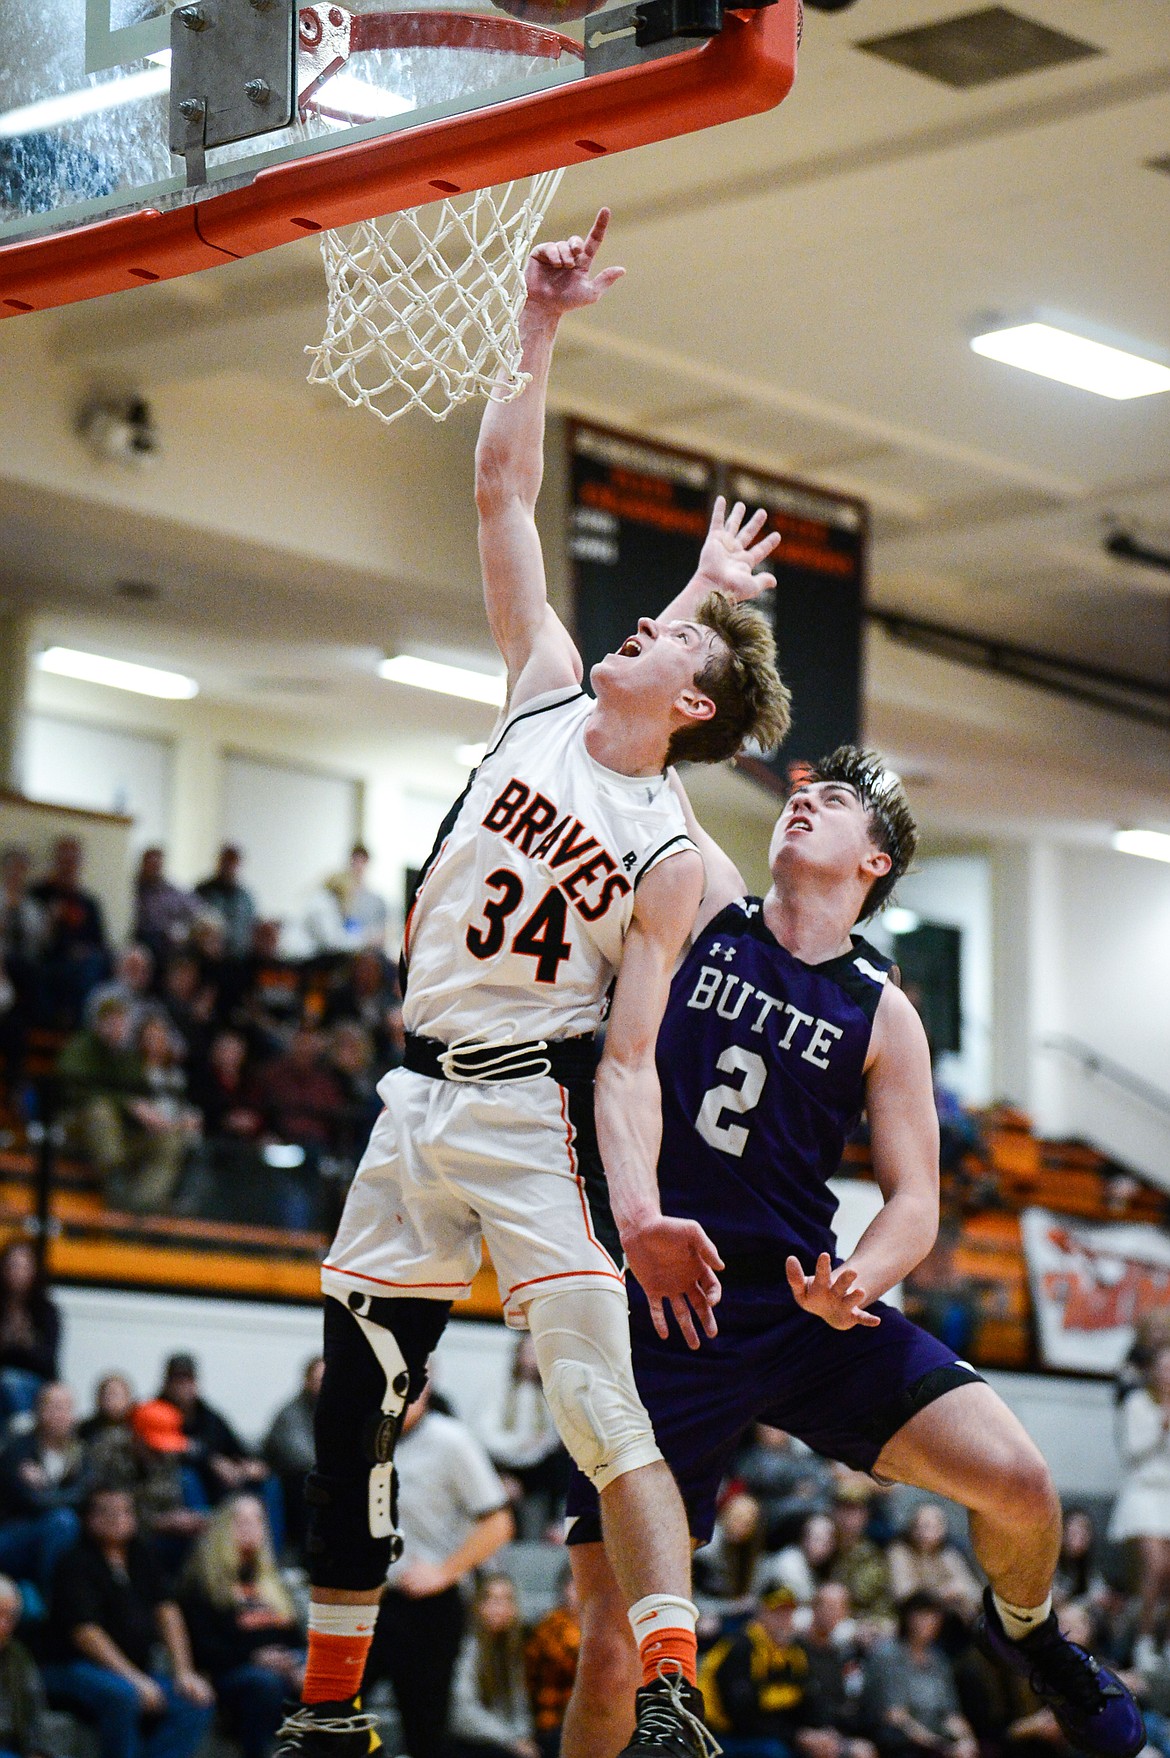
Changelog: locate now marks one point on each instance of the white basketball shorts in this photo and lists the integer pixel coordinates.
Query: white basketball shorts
(452, 1162)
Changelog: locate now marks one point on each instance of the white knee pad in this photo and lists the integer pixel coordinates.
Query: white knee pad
(582, 1340)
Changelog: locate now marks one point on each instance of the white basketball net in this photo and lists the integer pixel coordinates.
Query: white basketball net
(424, 306)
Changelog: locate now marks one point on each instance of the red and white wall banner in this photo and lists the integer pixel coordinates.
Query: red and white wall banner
(1091, 1285)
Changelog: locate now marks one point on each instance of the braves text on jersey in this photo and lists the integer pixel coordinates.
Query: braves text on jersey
(518, 923)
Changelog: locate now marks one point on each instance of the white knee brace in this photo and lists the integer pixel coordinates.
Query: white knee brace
(582, 1340)
(383, 1523)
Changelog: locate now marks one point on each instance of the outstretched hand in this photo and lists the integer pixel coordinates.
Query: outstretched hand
(676, 1262)
(834, 1295)
(558, 275)
(732, 551)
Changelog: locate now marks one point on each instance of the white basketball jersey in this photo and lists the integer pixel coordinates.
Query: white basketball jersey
(517, 928)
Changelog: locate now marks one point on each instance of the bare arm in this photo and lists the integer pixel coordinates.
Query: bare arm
(509, 466)
(673, 1259)
(725, 882)
(172, 1628)
(903, 1127)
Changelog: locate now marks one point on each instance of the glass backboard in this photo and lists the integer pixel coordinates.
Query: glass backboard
(108, 177)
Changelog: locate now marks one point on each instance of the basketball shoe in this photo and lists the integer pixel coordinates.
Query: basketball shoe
(1096, 1713)
(328, 1730)
(669, 1721)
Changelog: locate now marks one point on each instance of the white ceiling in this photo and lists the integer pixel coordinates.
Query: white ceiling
(800, 290)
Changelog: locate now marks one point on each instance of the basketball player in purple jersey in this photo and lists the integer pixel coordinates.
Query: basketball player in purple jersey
(782, 1027)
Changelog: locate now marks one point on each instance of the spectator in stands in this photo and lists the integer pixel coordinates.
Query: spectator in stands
(550, 1664)
(346, 914)
(835, 1670)
(522, 1441)
(727, 1567)
(231, 900)
(859, 1564)
(245, 1635)
(909, 1696)
(1141, 1513)
(220, 1089)
(108, 1434)
(189, 1004)
(25, 1729)
(76, 954)
(30, 1329)
(369, 994)
(924, 1560)
(163, 911)
(350, 1057)
(297, 1094)
(23, 935)
(289, 1449)
(272, 988)
(130, 984)
(109, 1611)
(454, 1515)
(136, 1148)
(1078, 1575)
(805, 1566)
(168, 1493)
(44, 1478)
(491, 1716)
(787, 1480)
(224, 1465)
(754, 1682)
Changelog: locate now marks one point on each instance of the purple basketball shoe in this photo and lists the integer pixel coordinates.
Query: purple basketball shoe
(1095, 1711)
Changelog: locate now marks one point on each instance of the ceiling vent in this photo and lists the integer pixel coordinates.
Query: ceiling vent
(1159, 164)
(977, 48)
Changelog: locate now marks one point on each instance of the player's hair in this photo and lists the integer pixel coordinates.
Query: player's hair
(751, 700)
(891, 822)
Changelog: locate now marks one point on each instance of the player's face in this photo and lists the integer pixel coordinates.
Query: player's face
(824, 827)
(656, 665)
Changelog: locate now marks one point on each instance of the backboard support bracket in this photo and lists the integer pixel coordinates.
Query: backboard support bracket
(233, 75)
(627, 36)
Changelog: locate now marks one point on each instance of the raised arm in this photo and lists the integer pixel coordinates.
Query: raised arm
(673, 1259)
(509, 466)
(903, 1132)
(731, 553)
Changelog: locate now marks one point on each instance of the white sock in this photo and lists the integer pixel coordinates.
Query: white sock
(662, 1611)
(342, 1620)
(1020, 1620)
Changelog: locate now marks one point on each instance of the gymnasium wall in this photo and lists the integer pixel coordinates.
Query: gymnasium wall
(1071, 1419)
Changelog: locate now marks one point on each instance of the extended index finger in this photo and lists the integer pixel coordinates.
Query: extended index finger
(596, 233)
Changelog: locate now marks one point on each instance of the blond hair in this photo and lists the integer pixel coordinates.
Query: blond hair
(215, 1565)
(751, 700)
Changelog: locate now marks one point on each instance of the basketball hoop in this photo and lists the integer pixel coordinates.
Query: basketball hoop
(424, 305)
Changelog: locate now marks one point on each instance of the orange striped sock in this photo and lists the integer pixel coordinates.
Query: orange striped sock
(339, 1642)
(664, 1629)
(669, 1651)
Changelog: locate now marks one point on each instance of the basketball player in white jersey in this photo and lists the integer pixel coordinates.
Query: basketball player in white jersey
(565, 864)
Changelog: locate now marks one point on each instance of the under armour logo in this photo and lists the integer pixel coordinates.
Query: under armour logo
(726, 953)
(630, 860)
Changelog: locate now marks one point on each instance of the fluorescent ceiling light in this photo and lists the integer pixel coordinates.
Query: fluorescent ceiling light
(900, 921)
(470, 755)
(90, 100)
(346, 95)
(1074, 360)
(1153, 844)
(119, 674)
(447, 680)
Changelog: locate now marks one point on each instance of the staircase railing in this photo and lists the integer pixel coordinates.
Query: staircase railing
(1094, 1062)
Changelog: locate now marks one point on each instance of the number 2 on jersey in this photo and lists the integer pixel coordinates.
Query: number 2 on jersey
(541, 937)
(732, 1137)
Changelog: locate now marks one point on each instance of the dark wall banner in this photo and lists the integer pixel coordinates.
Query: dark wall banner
(817, 609)
(638, 517)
